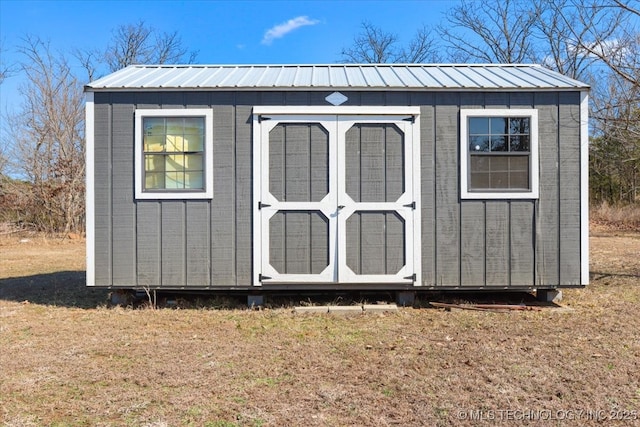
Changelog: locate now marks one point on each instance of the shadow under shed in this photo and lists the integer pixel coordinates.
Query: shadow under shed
(63, 288)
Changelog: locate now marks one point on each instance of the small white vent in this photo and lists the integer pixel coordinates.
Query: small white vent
(336, 98)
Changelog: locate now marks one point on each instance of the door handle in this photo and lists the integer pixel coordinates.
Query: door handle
(340, 207)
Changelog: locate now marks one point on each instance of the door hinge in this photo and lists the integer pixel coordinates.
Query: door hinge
(412, 277)
(262, 277)
(261, 118)
(411, 205)
(411, 119)
(262, 205)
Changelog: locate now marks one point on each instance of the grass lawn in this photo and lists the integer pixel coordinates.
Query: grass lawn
(67, 359)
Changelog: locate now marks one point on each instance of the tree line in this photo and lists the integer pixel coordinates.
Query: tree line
(597, 41)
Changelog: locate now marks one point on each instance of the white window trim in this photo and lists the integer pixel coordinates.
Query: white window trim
(207, 193)
(465, 193)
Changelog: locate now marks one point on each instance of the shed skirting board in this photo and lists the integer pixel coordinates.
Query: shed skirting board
(89, 190)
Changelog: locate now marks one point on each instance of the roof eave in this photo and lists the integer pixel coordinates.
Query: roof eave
(89, 88)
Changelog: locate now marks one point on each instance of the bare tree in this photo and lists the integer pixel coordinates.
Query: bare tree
(48, 140)
(136, 43)
(43, 142)
(611, 36)
(5, 71)
(605, 32)
(141, 44)
(5, 68)
(556, 47)
(490, 31)
(375, 46)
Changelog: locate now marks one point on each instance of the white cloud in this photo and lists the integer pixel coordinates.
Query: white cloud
(285, 28)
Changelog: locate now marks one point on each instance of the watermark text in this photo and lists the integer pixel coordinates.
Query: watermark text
(547, 414)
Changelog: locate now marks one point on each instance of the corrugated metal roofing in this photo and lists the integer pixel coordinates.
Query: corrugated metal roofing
(337, 77)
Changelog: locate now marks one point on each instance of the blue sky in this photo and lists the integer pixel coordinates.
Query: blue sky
(223, 32)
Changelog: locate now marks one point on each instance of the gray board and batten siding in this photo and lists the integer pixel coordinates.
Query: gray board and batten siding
(208, 243)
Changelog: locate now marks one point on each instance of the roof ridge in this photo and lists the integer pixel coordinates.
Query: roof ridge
(350, 65)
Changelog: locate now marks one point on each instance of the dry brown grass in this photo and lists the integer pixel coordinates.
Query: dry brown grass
(66, 359)
(615, 218)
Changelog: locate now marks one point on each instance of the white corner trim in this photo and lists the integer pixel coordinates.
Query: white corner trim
(208, 154)
(584, 187)
(464, 154)
(257, 229)
(90, 208)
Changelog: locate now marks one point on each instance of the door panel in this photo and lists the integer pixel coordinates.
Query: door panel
(299, 242)
(374, 161)
(299, 162)
(375, 243)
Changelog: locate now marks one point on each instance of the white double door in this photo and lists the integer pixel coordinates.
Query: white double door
(337, 199)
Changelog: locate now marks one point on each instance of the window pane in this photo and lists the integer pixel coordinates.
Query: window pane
(499, 163)
(519, 163)
(179, 144)
(174, 180)
(499, 180)
(519, 180)
(194, 125)
(519, 125)
(478, 143)
(499, 126)
(153, 143)
(194, 143)
(193, 180)
(154, 163)
(478, 125)
(174, 143)
(174, 162)
(154, 180)
(175, 126)
(520, 143)
(488, 172)
(193, 162)
(479, 181)
(499, 143)
(509, 168)
(153, 126)
(480, 164)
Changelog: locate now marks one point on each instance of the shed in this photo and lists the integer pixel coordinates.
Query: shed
(324, 177)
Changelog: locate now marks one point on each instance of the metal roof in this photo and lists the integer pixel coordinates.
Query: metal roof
(336, 77)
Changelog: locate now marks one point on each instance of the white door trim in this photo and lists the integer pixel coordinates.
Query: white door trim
(327, 116)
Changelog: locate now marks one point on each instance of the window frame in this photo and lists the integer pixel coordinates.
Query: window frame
(177, 193)
(465, 155)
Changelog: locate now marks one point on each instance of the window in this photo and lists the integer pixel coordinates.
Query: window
(499, 154)
(173, 154)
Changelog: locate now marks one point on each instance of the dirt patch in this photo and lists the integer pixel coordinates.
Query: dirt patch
(68, 359)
